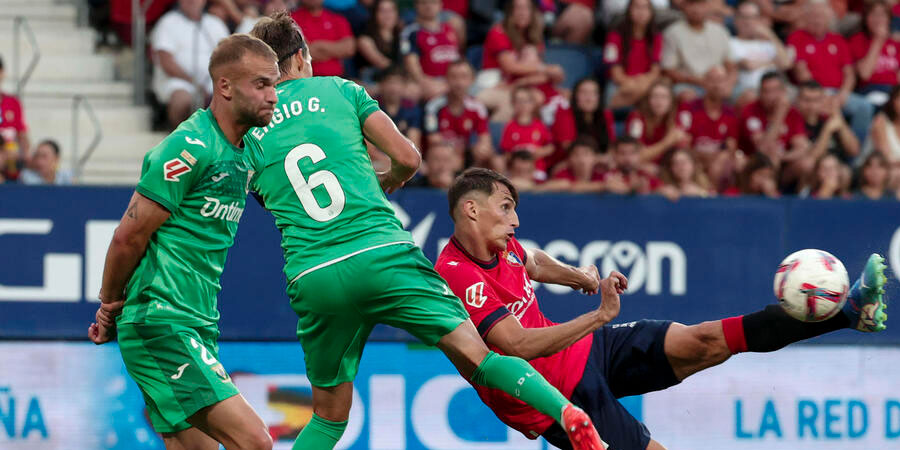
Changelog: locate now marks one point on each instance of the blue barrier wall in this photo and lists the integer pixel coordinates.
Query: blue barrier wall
(688, 261)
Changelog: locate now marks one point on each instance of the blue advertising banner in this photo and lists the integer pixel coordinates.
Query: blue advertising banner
(688, 261)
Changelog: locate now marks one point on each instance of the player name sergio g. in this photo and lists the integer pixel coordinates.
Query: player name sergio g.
(285, 111)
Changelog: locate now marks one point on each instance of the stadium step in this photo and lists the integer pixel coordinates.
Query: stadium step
(39, 12)
(66, 41)
(114, 120)
(60, 92)
(73, 68)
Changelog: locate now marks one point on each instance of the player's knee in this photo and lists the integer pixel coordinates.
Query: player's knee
(258, 440)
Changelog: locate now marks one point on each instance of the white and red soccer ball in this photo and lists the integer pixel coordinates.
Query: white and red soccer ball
(811, 285)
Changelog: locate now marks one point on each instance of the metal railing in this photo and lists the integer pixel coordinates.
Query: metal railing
(79, 103)
(139, 44)
(21, 23)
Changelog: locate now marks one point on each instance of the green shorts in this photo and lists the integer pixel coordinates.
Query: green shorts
(338, 305)
(177, 369)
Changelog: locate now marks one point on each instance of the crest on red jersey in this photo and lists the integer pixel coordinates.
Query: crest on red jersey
(513, 259)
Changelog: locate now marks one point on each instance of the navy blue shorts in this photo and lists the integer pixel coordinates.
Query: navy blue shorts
(625, 359)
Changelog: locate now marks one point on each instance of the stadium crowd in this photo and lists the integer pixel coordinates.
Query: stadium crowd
(679, 98)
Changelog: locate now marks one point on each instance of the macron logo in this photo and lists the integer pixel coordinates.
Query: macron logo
(474, 295)
(175, 168)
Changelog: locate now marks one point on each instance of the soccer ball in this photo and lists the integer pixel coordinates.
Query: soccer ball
(811, 285)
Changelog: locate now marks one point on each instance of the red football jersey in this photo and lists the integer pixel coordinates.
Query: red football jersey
(464, 127)
(567, 174)
(636, 62)
(707, 134)
(493, 290)
(436, 48)
(887, 64)
(753, 120)
(327, 26)
(12, 121)
(495, 43)
(516, 136)
(826, 58)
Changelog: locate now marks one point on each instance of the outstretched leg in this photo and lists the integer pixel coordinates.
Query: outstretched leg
(468, 352)
(691, 349)
(331, 411)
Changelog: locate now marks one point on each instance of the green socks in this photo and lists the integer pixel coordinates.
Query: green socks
(518, 379)
(319, 434)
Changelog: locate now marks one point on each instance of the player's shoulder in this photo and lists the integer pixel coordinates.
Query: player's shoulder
(455, 266)
(195, 136)
(516, 248)
(436, 104)
(473, 105)
(410, 30)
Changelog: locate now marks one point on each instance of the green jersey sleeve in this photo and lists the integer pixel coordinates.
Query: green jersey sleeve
(169, 171)
(364, 104)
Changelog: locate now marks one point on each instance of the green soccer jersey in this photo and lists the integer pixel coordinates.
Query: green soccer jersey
(203, 180)
(315, 176)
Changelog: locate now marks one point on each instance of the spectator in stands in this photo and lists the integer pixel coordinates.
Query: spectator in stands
(442, 164)
(759, 177)
(461, 120)
(182, 43)
(575, 22)
(627, 176)
(873, 178)
(654, 124)
(379, 43)
(13, 134)
(826, 129)
(238, 15)
(825, 57)
(713, 128)
(693, 46)
(329, 36)
(756, 49)
(526, 131)
(632, 53)
(772, 127)
(827, 181)
(44, 166)
(876, 53)
(589, 115)
(783, 14)
(428, 47)
(885, 133)
(683, 177)
(580, 174)
(614, 12)
(520, 171)
(405, 114)
(513, 56)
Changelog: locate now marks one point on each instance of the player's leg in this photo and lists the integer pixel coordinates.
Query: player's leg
(333, 334)
(694, 348)
(180, 377)
(331, 411)
(234, 423)
(415, 298)
(189, 439)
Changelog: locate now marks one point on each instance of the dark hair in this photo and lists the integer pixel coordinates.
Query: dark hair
(757, 162)
(523, 155)
(626, 30)
(771, 75)
(626, 140)
(391, 71)
(878, 158)
(477, 179)
(461, 62)
(584, 140)
(888, 108)
(870, 6)
(52, 144)
(371, 30)
(812, 85)
(597, 126)
(284, 36)
(231, 49)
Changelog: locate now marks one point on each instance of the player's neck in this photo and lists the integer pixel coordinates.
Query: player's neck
(473, 244)
(233, 131)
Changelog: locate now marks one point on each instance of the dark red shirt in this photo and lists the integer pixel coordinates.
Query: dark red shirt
(516, 136)
(636, 62)
(436, 48)
(753, 121)
(887, 64)
(491, 291)
(473, 120)
(495, 43)
(325, 26)
(825, 58)
(708, 134)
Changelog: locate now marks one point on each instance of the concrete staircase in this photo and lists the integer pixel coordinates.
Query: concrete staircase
(69, 66)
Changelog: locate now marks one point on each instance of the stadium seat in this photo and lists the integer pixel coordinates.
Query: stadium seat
(496, 129)
(474, 55)
(576, 61)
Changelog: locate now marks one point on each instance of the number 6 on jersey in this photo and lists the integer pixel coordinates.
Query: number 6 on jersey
(303, 187)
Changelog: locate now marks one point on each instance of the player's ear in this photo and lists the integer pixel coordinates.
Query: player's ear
(470, 208)
(224, 86)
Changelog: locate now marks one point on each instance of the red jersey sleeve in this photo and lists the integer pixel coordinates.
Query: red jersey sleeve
(657, 48)
(612, 52)
(506, 142)
(484, 307)
(342, 27)
(563, 128)
(843, 51)
(495, 43)
(610, 126)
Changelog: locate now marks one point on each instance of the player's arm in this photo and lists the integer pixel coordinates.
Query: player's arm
(380, 130)
(529, 343)
(142, 218)
(544, 268)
